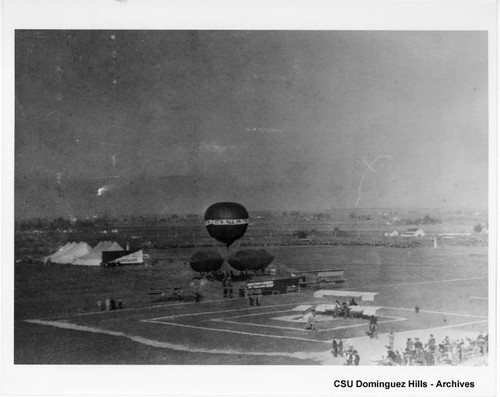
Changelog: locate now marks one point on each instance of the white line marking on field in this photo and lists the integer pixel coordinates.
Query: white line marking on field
(151, 307)
(302, 329)
(235, 332)
(411, 332)
(435, 312)
(172, 346)
(430, 282)
(254, 314)
(224, 311)
(454, 325)
(478, 297)
(218, 320)
(128, 309)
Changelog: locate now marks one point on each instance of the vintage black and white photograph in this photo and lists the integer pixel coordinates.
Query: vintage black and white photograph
(270, 197)
(251, 197)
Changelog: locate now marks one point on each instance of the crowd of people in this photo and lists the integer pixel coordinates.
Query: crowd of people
(341, 348)
(447, 352)
(110, 304)
(219, 275)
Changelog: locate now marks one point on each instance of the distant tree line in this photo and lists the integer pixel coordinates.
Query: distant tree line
(426, 220)
(61, 223)
(316, 216)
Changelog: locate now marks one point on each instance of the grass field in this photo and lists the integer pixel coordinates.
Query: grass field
(449, 284)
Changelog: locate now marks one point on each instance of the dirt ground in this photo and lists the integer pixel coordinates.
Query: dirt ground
(58, 320)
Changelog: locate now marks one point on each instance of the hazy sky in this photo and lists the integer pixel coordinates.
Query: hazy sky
(272, 119)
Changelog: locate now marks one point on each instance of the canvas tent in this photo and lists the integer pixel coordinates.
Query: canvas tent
(69, 256)
(94, 257)
(61, 251)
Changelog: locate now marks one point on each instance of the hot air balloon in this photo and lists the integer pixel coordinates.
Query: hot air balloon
(226, 222)
(250, 259)
(206, 261)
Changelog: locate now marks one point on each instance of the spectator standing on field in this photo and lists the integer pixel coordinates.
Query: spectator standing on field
(409, 345)
(349, 357)
(311, 320)
(356, 357)
(432, 343)
(335, 348)
(348, 348)
(340, 346)
(390, 337)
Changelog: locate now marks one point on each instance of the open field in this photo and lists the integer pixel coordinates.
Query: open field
(64, 325)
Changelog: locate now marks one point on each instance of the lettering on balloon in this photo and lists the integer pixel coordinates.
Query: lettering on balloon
(223, 222)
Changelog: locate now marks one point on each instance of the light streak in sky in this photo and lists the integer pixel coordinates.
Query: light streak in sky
(368, 168)
(103, 189)
(51, 113)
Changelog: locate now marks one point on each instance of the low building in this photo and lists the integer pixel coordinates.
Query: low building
(392, 234)
(413, 232)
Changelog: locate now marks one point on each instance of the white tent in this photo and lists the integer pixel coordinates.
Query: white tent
(65, 248)
(69, 256)
(94, 257)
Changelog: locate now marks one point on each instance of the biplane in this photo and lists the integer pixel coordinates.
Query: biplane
(346, 303)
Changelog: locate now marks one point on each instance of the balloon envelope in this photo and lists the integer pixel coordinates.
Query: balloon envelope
(250, 259)
(226, 222)
(206, 261)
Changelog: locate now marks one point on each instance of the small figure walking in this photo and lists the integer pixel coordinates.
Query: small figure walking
(390, 337)
(356, 357)
(348, 358)
(340, 346)
(372, 333)
(311, 322)
(335, 348)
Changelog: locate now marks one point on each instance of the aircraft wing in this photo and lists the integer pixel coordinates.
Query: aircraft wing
(366, 296)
